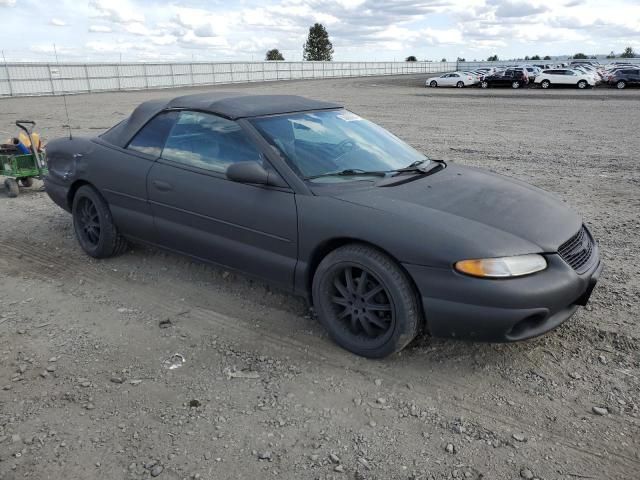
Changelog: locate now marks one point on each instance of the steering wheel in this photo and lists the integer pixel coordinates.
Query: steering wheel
(346, 145)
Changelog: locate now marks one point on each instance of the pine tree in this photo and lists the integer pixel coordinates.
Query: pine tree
(273, 54)
(318, 47)
(628, 53)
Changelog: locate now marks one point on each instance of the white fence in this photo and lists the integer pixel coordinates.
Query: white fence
(25, 79)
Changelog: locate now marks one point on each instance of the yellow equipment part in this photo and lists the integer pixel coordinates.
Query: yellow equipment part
(26, 141)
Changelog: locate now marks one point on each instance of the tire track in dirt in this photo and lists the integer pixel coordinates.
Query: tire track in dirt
(23, 258)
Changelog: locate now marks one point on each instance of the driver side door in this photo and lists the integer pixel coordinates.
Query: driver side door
(452, 79)
(198, 211)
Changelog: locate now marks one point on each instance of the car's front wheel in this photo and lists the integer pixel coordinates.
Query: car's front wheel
(365, 301)
(582, 84)
(484, 84)
(93, 224)
(621, 84)
(433, 83)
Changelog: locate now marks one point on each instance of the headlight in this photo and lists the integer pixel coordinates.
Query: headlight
(503, 267)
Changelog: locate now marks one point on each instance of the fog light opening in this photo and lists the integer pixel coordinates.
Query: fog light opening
(529, 323)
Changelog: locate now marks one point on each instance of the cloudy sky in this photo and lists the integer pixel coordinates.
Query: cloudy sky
(360, 29)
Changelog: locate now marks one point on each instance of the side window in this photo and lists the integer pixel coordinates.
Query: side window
(207, 141)
(150, 139)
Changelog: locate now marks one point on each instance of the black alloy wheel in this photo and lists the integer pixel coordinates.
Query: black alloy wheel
(366, 301)
(88, 221)
(94, 226)
(362, 303)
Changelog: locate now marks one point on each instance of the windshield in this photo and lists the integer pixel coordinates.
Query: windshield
(319, 144)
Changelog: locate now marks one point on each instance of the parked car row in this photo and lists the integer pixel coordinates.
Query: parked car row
(580, 74)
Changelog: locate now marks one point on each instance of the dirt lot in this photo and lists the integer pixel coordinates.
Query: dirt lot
(86, 392)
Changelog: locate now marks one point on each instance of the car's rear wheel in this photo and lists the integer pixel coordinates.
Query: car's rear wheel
(582, 84)
(515, 85)
(460, 84)
(365, 301)
(93, 224)
(621, 84)
(484, 84)
(545, 84)
(11, 186)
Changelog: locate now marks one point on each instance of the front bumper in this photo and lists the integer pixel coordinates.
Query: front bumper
(502, 310)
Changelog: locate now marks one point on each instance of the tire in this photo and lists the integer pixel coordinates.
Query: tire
(26, 182)
(545, 84)
(484, 84)
(460, 84)
(93, 225)
(582, 84)
(515, 85)
(394, 318)
(11, 186)
(433, 84)
(621, 85)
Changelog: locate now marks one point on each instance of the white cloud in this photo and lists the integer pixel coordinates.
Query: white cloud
(191, 40)
(359, 29)
(138, 28)
(117, 11)
(100, 29)
(508, 8)
(205, 30)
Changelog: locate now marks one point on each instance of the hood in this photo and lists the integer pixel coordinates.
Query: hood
(496, 214)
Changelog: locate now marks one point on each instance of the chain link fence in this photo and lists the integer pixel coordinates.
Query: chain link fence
(27, 79)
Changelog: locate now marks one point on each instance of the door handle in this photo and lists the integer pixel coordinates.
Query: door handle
(162, 186)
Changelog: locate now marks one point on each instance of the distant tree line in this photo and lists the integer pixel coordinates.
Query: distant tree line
(318, 47)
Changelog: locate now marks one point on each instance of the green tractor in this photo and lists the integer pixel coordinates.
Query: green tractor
(21, 168)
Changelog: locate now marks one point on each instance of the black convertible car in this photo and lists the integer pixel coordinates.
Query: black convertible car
(382, 240)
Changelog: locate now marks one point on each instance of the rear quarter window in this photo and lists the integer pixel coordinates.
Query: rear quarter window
(151, 138)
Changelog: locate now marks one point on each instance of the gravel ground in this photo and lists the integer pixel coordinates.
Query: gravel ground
(86, 388)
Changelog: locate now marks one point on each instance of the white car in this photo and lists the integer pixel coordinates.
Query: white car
(455, 79)
(564, 76)
(592, 73)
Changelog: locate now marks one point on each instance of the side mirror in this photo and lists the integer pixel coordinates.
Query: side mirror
(253, 172)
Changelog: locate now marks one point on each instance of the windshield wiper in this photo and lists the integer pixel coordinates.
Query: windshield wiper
(349, 172)
(422, 166)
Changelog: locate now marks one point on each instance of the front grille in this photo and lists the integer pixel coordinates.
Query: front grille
(578, 251)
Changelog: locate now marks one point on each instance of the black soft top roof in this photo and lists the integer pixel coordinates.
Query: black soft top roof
(231, 105)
